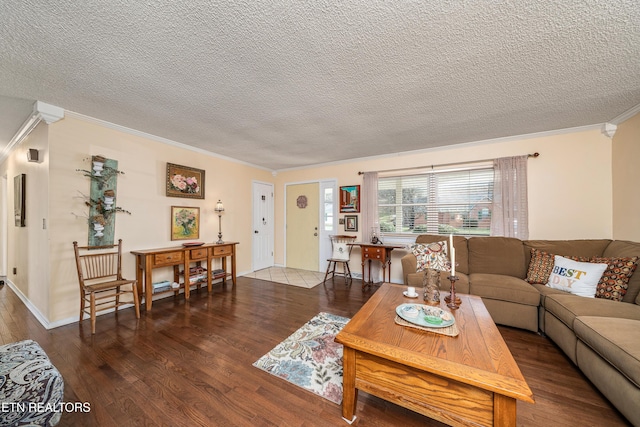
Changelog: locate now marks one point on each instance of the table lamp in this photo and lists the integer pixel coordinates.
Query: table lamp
(219, 208)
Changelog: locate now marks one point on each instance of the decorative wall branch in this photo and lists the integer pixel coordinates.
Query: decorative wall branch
(102, 200)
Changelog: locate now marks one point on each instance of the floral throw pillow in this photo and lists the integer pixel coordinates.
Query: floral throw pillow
(615, 280)
(431, 255)
(541, 265)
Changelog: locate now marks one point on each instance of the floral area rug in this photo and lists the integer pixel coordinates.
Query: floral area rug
(310, 358)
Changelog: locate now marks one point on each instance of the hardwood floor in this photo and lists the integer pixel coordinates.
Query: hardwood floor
(190, 363)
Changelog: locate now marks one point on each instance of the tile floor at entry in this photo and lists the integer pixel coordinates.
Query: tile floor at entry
(289, 276)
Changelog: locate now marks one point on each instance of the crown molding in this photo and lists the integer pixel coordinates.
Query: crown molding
(160, 139)
(609, 129)
(586, 128)
(626, 115)
(41, 112)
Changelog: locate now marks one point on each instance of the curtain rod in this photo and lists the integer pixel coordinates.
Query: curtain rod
(534, 155)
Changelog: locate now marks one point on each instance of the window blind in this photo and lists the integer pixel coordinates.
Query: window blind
(456, 202)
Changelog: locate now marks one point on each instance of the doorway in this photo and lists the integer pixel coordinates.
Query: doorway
(308, 228)
(263, 229)
(302, 207)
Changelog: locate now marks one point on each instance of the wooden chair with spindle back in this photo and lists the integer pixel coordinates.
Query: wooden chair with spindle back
(101, 281)
(341, 246)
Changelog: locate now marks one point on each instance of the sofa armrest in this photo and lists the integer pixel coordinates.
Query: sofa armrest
(409, 265)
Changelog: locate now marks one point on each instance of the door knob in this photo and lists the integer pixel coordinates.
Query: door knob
(255, 231)
(315, 234)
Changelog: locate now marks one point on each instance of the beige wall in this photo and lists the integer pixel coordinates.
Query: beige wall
(626, 176)
(26, 249)
(141, 190)
(570, 196)
(569, 184)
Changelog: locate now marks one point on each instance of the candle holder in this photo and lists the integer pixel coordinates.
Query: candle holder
(452, 300)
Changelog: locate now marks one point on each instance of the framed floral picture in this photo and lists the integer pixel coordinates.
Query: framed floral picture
(350, 199)
(185, 223)
(184, 181)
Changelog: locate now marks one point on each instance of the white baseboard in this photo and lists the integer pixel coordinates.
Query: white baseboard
(32, 308)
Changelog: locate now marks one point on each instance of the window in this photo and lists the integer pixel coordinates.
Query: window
(456, 202)
(328, 209)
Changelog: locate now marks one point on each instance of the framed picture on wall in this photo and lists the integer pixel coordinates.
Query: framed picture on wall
(350, 199)
(19, 186)
(351, 223)
(185, 223)
(185, 181)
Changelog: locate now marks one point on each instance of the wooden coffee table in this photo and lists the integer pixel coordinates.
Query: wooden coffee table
(470, 379)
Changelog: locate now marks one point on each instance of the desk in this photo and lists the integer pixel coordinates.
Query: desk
(379, 252)
(147, 260)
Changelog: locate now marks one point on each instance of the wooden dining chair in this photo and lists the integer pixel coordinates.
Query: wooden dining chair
(341, 246)
(101, 281)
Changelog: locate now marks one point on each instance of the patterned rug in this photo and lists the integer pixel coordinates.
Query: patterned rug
(310, 358)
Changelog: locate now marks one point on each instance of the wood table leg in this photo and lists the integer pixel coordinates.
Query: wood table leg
(139, 274)
(148, 284)
(504, 411)
(224, 267)
(349, 391)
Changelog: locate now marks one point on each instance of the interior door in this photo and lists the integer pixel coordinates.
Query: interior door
(263, 230)
(302, 210)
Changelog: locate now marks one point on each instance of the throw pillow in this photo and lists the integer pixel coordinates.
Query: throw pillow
(614, 282)
(578, 278)
(541, 265)
(340, 252)
(431, 255)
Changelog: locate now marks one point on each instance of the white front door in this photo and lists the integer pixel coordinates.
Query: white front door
(263, 229)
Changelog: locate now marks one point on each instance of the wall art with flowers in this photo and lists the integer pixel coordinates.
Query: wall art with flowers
(185, 223)
(185, 181)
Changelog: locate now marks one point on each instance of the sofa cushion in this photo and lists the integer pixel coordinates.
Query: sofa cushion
(504, 288)
(578, 278)
(459, 242)
(623, 248)
(431, 255)
(615, 280)
(497, 255)
(586, 248)
(567, 307)
(545, 290)
(615, 340)
(541, 265)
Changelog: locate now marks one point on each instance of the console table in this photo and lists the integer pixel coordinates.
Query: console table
(377, 252)
(149, 259)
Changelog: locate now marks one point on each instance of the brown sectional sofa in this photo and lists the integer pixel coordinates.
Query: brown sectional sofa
(601, 336)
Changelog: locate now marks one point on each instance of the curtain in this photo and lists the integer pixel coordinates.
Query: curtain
(370, 222)
(509, 216)
(369, 202)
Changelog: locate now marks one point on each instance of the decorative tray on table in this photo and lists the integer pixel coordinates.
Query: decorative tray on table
(425, 315)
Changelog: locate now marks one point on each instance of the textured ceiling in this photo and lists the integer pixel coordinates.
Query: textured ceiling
(283, 84)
